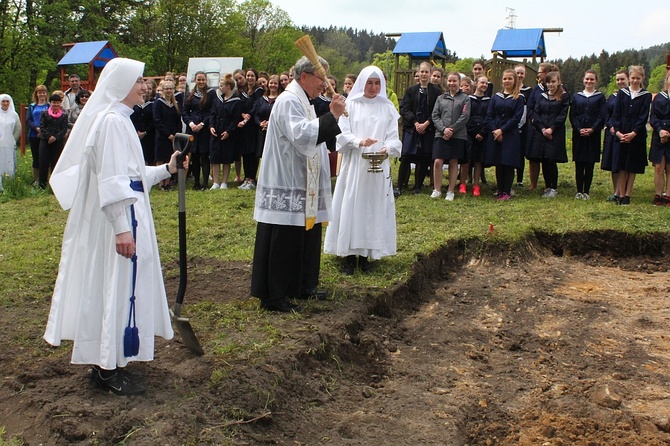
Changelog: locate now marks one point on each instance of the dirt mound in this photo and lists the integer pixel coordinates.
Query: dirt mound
(559, 340)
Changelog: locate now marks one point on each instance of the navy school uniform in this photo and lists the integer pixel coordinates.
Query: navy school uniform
(225, 115)
(260, 113)
(196, 110)
(417, 106)
(479, 106)
(548, 113)
(660, 120)
(167, 120)
(143, 120)
(505, 113)
(248, 135)
(631, 115)
(525, 91)
(587, 112)
(609, 141)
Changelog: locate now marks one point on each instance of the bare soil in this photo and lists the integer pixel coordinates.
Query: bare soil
(559, 340)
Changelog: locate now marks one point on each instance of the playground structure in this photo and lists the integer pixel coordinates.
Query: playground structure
(509, 46)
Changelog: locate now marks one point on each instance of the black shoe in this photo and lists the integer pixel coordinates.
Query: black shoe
(364, 264)
(117, 381)
(349, 265)
(314, 293)
(283, 306)
(625, 201)
(416, 191)
(197, 187)
(397, 192)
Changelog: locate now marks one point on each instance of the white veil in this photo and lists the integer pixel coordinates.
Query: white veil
(116, 80)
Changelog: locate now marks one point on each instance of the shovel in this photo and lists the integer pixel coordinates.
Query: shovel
(181, 142)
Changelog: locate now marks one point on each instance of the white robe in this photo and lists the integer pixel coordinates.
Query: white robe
(363, 204)
(10, 130)
(282, 181)
(91, 303)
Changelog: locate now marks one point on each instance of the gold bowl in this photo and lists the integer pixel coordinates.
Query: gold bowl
(375, 159)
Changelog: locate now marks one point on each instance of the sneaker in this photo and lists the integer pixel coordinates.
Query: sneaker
(416, 191)
(117, 382)
(215, 186)
(224, 186)
(504, 196)
(625, 201)
(665, 200)
(244, 185)
(497, 193)
(512, 193)
(462, 189)
(612, 197)
(397, 192)
(435, 194)
(252, 186)
(579, 196)
(657, 201)
(476, 190)
(450, 196)
(585, 196)
(551, 193)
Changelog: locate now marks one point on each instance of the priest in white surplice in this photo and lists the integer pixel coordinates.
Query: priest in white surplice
(363, 221)
(293, 193)
(99, 177)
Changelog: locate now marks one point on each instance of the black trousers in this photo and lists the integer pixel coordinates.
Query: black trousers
(550, 173)
(49, 154)
(287, 261)
(250, 165)
(505, 178)
(200, 162)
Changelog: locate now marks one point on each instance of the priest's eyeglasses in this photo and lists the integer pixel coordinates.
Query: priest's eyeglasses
(323, 81)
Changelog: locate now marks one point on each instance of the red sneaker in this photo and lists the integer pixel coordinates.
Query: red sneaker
(476, 191)
(462, 189)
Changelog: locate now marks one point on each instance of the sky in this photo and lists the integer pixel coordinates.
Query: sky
(470, 27)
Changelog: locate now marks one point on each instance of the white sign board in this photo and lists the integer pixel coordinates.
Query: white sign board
(214, 67)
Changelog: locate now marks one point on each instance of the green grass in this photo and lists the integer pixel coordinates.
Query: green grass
(220, 226)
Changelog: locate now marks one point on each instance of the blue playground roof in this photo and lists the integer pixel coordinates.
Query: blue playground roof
(520, 43)
(428, 44)
(99, 53)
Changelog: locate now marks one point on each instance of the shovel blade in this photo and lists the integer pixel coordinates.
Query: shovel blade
(183, 327)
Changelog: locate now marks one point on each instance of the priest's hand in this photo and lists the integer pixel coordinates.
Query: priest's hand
(337, 106)
(125, 244)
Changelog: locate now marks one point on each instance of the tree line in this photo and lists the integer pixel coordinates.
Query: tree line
(166, 33)
(653, 59)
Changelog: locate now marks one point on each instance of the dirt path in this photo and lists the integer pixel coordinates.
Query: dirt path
(516, 348)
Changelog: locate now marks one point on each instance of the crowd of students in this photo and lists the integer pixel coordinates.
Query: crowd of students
(456, 120)
(447, 119)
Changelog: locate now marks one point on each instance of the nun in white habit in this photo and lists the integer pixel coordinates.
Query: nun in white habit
(363, 222)
(10, 130)
(91, 299)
